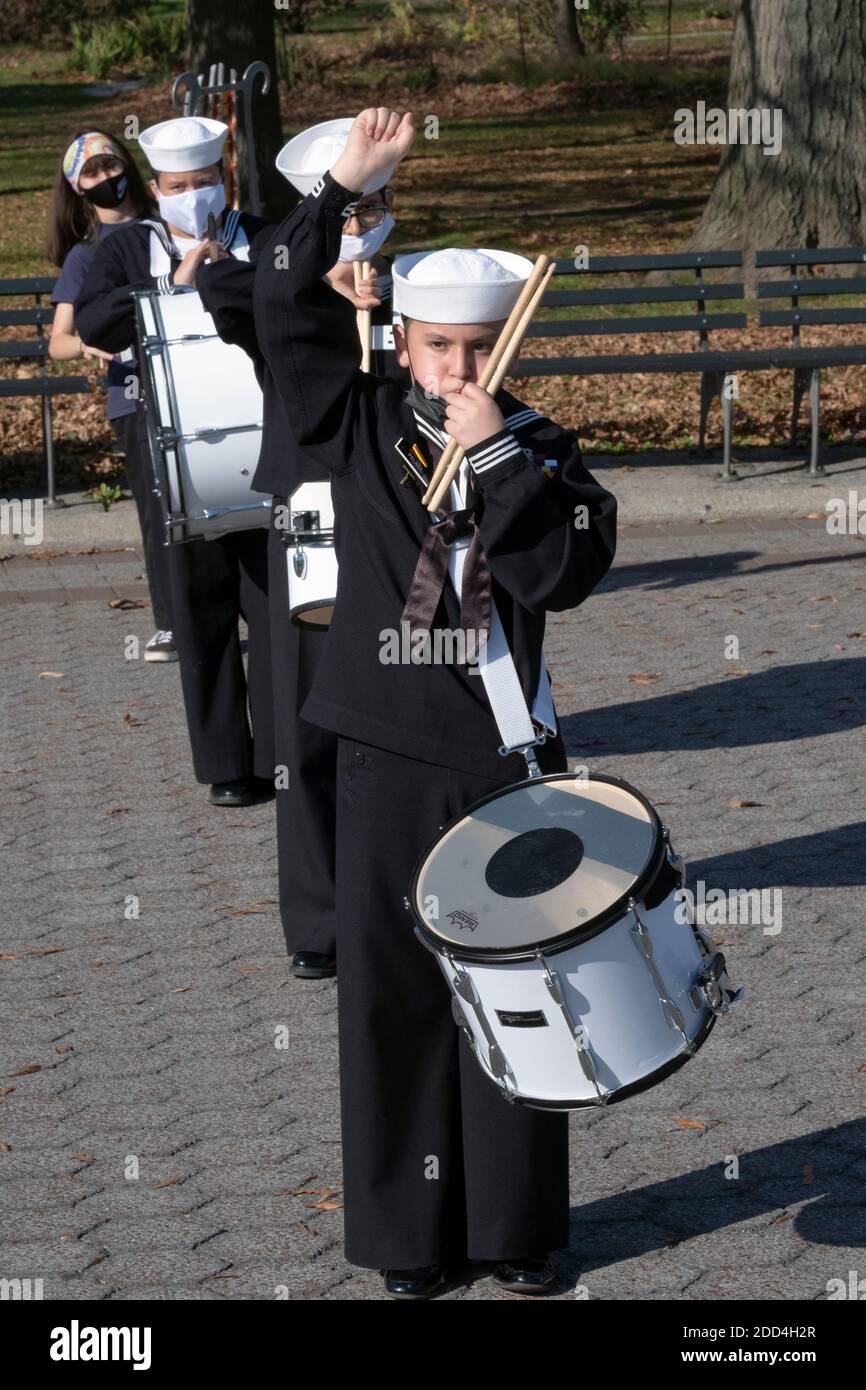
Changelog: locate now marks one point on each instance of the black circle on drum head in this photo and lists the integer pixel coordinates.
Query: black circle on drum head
(534, 862)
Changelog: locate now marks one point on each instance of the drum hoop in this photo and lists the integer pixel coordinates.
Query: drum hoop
(153, 423)
(549, 945)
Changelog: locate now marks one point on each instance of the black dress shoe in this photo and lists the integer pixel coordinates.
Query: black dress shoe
(415, 1283)
(246, 791)
(313, 965)
(525, 1275)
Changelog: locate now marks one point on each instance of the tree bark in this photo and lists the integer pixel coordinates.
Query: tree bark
(569, 40)
(236, 34)
(807, 59)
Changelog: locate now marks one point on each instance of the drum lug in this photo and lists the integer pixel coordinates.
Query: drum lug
(584, 1055)
(299, 562)
(675, 860)
(715, 987)
(643, 940)
(464, 989)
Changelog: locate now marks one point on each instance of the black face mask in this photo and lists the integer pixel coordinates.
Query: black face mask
(110, 193)
(430, 408)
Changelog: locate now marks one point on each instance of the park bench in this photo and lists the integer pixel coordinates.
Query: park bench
(808, 361)
(45, 385)
(717, 365)
(714, 365)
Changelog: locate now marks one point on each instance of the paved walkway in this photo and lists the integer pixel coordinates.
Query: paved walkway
(155, 1143)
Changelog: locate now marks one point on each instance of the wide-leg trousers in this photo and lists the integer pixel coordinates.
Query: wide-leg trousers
(306, 800)
(437, 1165)
(132, 437)
(229, 711)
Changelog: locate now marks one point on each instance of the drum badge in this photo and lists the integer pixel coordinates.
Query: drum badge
(461, 919)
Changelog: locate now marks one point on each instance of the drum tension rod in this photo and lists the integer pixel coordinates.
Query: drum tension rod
(643, 940)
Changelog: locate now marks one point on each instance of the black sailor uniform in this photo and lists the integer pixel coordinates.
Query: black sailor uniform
(213, 582)
(305, 801)
(437, 1165)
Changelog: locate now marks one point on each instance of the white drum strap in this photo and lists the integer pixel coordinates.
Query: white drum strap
(497, 670)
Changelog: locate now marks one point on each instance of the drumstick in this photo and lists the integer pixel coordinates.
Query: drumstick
(499, 359)
(364, 317)
(507, 332)
(212, 243)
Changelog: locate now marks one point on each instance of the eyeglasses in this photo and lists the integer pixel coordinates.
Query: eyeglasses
(368, 217)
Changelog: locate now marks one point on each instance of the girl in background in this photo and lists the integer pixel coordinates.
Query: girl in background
(98, 189)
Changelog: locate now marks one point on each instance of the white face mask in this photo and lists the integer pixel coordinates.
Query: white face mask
(189, 211)
(361, 248)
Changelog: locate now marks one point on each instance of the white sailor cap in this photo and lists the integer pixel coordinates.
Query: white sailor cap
(185, 143)
(311, 154)
(459, 285)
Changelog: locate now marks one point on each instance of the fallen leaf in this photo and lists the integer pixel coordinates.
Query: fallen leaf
(28, 1071)
(783, 1216)
(823, 598)
(64, 1047)
(183, 989)
(7, 955)
(83, 1156)
(327, 1206)
(644, 677)
(4, 1147)
(46, 950)
(97, 1260)
(127, 603)
(6, 1090)
(166, 1182)
(736, 802)
(68, 994)
(129, 721)
(690, 1124)
(51, 675)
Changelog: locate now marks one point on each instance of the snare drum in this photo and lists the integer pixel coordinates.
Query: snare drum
(311, 559)
(574, 965)
(204, 417)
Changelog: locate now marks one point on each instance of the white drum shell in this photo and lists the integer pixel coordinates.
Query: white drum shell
(203, 387)
(610, 991)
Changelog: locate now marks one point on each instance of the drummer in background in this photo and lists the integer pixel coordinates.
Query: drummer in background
(213, 582)
(437, 1166)
(306, 806)
(97, 190)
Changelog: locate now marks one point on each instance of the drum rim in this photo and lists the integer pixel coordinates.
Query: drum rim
(489, 955)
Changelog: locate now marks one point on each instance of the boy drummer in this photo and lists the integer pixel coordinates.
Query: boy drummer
(306, 807)
(437, 1167)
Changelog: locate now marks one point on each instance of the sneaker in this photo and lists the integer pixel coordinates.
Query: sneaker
(161, 647)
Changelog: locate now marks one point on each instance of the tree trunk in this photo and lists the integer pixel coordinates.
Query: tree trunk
(807, 60)
(224, 31)
(569, 40)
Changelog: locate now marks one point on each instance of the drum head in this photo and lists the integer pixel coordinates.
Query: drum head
(535, 862)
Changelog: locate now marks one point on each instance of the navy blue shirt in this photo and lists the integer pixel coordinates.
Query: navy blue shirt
(123, 388)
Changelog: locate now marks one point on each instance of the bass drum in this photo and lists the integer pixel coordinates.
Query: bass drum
(575, 968)
(204, 416)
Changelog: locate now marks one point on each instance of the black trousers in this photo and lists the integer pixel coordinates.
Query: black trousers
(306, 807)
(414, 1101)
(132, 437)
(213, 583)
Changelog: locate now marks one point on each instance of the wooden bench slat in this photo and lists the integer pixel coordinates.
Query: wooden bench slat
(669, 323)
(655, 363)
(12, 316)
(668, 294)
(676, 260)
(45, 386)
(812, 255)
(778, 318)
(16, 348)
(42, 284)
(785, 289)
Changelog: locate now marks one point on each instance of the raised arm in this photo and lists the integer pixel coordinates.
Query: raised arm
(306, 331)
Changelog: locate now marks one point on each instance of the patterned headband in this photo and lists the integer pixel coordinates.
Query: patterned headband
(84, 148)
